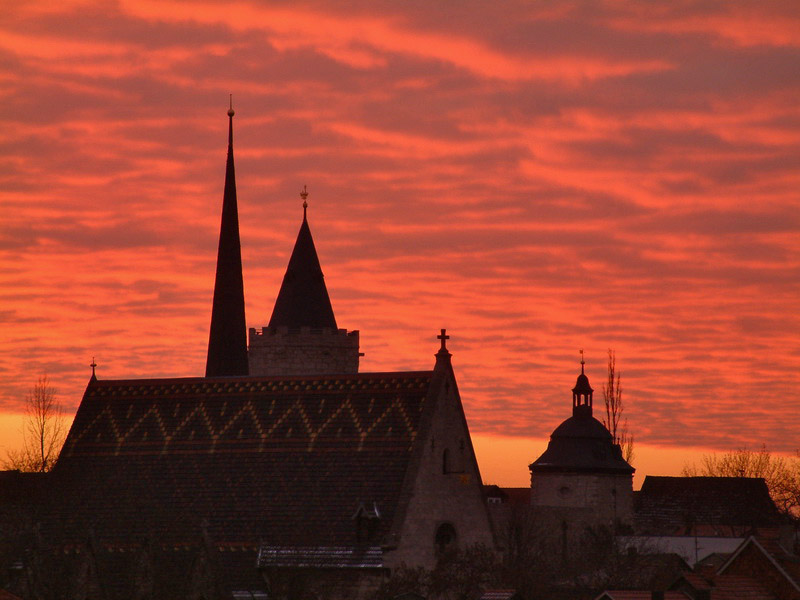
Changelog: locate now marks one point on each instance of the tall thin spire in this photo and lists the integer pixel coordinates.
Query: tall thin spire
(303, 299)
(227, 340)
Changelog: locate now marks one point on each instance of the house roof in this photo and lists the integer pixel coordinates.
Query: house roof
(499, 594)
(325, 557)
(732, 587)
(686, 505)
(303, 299)
(511, 495)
(783, 563)
(278, 460)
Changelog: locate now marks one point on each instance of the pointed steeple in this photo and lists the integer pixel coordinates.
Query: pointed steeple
(303, 298)
(227, 340)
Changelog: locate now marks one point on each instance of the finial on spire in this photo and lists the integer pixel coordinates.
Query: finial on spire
(93, 365)
(583, 362)
(304, 196)
(230, 110)
(444, 337)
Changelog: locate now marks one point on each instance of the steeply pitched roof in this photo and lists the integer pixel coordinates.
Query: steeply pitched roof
(303, 298)
(732, 587)
(679, 505)
(227, 339)
(283, 461)
(768, 553)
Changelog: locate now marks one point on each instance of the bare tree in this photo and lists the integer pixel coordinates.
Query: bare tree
(612, 396)
(782, 475)
(43, 430)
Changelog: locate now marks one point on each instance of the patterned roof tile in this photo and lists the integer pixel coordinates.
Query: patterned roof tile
(279, 460)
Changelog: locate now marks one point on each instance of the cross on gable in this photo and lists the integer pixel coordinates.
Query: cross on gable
(444, 337)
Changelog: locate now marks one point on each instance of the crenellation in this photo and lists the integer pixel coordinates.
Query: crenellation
(303, 350)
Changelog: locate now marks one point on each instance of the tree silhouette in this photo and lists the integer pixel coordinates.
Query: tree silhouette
(612, 397)
(782, 475)
(43, 431)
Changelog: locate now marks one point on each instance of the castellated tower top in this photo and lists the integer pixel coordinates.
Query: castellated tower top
(302, 337)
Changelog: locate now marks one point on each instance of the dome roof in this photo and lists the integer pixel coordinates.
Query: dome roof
(582, 443)
(582, 426)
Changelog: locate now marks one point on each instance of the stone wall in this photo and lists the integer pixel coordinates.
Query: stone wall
(302, 351)
(609, 496)
(579, 512)
(447, 495)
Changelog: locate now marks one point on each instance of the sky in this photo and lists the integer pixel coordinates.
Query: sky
(536, 177)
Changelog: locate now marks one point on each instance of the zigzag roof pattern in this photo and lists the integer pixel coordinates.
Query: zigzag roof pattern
(250, 414)
(249, 460)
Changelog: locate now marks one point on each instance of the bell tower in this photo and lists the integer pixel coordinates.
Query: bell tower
(302, 337)
(582, 481)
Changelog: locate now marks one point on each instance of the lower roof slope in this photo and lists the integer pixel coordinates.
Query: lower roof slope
(276, 460)
(681, 505)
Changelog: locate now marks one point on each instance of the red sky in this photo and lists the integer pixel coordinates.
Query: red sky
(537, 177)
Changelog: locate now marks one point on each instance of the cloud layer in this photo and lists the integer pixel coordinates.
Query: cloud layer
(537, 178)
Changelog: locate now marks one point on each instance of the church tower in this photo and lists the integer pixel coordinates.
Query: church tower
(227, 339)
(582, 479)
(302, 337)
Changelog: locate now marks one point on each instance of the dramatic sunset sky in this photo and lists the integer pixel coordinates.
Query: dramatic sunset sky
(537, 177)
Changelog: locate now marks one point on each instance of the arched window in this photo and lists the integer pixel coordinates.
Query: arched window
(446, 539)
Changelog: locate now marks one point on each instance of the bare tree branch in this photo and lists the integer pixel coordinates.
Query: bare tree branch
(43, 432)
(612, 397)
(782, 475)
